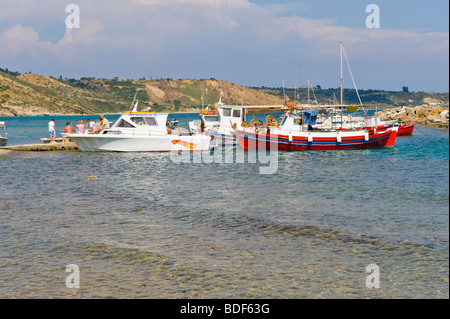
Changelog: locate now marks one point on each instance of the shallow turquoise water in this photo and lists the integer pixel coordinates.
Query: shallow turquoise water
(152, 228)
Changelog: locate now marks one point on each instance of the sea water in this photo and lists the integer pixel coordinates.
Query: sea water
(151, 227)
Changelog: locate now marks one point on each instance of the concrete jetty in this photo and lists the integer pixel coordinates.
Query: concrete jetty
(64, 146)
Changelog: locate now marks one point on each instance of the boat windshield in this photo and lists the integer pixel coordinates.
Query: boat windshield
(123, 123)
(297, 121)
(226, 112)
(211, 118)
(139, 120)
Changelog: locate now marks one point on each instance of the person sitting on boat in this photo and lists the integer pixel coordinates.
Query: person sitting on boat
(69, 128)
(80, 126)
(169, 128)
(102, 124)
(90, 126)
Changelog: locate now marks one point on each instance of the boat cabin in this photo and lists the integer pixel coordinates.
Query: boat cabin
(230, 116)
(139, 122)
(299, 121)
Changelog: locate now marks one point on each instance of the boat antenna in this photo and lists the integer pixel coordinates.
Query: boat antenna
(314, 95)
(203, 97)
(133, 106)
(220, 99)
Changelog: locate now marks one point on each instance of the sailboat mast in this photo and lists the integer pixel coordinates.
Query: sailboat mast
(308, 92)
(295, 88)
(342, 81)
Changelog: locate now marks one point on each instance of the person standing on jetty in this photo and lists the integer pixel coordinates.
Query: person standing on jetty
(52, 130)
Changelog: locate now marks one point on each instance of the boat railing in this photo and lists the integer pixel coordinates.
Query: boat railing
(132, 132)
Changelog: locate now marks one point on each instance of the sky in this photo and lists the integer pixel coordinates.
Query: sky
(249, 42)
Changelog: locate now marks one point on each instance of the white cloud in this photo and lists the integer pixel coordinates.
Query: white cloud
(18, 39)
(324, 35)
(177, 35)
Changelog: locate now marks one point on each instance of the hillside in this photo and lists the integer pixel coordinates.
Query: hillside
(35, 94)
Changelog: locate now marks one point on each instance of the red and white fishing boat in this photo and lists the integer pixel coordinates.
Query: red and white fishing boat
(296, 133)
(403, 128)
(368, 123)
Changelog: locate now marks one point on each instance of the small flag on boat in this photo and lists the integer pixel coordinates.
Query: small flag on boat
(352, 108)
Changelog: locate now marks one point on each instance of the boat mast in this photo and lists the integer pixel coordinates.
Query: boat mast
(308, 92)
(342, 81)
(203, 97)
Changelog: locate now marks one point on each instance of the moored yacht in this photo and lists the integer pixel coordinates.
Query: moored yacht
(140, 132)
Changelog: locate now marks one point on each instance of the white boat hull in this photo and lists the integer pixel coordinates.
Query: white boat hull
(117, 143)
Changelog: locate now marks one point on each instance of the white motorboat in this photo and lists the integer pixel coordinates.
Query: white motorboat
(3, 138)
(218, 123)
(140, 132)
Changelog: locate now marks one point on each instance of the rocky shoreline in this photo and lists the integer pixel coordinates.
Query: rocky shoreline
(426, 115)
(21, 111)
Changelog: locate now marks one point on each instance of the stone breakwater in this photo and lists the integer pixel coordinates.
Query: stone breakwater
(434, 116)
(67, 146)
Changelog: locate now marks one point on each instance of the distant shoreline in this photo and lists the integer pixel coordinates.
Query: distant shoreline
(91, 114)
